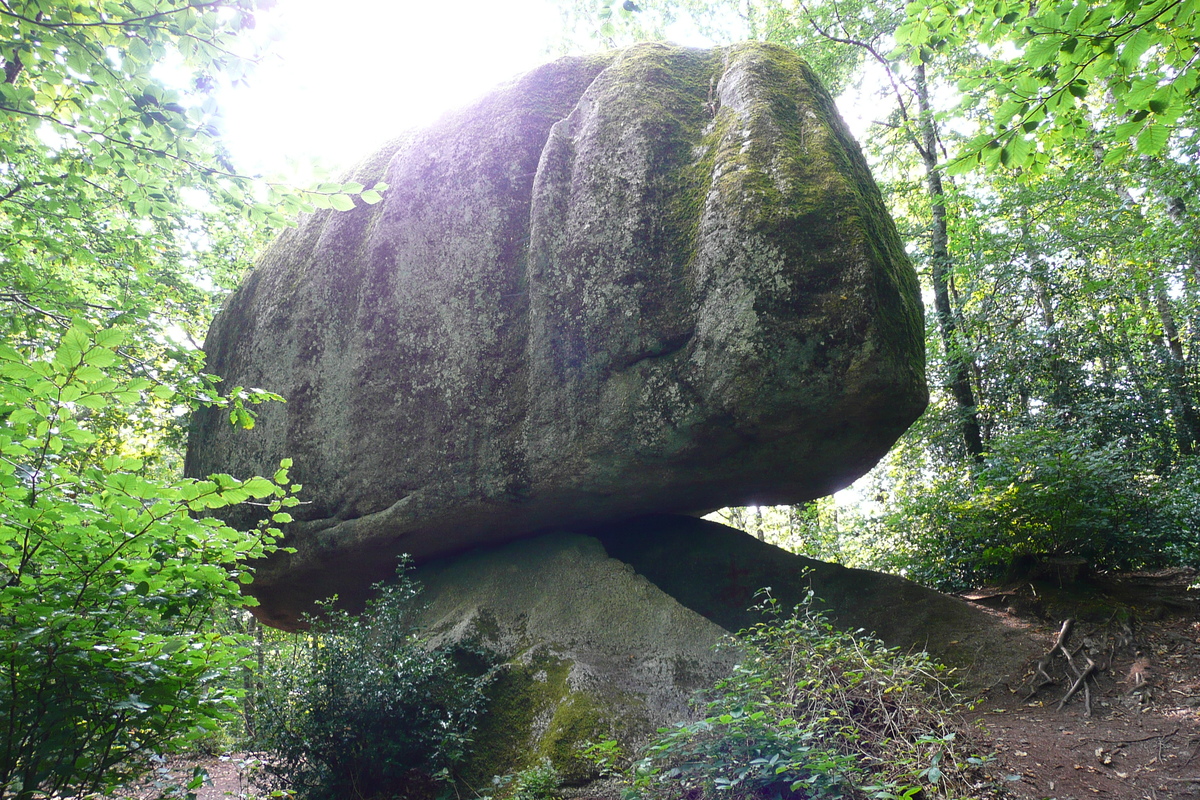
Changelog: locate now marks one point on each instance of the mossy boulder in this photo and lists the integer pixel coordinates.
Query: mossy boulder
(658, 280)
(588, 650)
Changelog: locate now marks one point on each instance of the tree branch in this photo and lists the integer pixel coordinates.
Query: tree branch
(6, 11)
(11, 193)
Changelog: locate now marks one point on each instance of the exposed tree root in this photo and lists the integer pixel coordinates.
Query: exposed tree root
(1081, 673)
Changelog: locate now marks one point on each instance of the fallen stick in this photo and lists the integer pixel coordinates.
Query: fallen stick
(1081, 681)
(1131, 741)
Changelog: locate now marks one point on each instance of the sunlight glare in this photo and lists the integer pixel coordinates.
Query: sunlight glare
(340, 80)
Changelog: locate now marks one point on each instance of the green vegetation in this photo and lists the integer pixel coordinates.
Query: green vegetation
(109, 583)
(1040, 494)
(539, 782)
(119, 222)
(360, 707)
(812, 712)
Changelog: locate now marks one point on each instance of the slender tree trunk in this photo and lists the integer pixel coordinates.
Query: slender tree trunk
(1149, 398)
(251, 685)
(1187, 420)
(1184, 412)
(957, 359)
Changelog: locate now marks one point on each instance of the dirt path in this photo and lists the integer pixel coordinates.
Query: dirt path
(1142, 738)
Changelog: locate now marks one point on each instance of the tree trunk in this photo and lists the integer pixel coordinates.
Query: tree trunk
(1187, 420)
(958, 360)
(1060, 389)
(1184, 412)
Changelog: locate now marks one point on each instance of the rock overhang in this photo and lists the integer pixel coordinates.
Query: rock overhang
(643, 282)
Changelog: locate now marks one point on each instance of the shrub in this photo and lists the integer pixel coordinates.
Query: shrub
(109, 582)
(539, 782)
(1042, 493)
(812, 712)
(360, 707)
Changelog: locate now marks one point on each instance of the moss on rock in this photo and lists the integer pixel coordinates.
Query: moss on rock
(651, 281)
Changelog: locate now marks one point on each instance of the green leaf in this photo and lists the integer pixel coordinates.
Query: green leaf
(1042, 50)
(1152, 139)
(93, 401)
(1135, 47)
(341, 202)
(963, 165)
(259, 487)
(1127, 129)
(99, 357)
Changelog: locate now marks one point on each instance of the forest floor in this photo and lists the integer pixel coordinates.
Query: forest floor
(1140, 741)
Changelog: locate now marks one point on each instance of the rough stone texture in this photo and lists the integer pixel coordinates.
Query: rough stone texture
(591, 650)
(607, 635)
(660, 280)
(716, 570)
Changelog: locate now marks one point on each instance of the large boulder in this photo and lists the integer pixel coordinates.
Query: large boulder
(660, 280)
(587, 649)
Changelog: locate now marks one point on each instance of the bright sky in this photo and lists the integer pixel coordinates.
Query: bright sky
(344, 77)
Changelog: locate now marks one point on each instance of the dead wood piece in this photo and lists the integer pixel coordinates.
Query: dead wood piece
(1132, 741)
(1080, 682)
(1042, 666)
(1064, 633)
(1080, 674)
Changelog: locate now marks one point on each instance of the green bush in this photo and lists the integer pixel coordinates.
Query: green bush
(1042, 493)
(812, 712)
(109, 581)
(539, 782)
(360, 707)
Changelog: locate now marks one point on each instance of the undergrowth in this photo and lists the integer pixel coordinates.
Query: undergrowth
(813, 712)
(360, 708)
(539, 782)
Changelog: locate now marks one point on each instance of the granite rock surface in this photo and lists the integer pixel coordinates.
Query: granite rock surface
(653, 281)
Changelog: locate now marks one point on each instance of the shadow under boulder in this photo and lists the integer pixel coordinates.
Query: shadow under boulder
(609, 633)
(716, 570)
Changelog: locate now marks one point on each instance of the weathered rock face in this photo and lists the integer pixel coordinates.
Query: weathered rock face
(652, 281)
(590, 650)
(608, 634)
